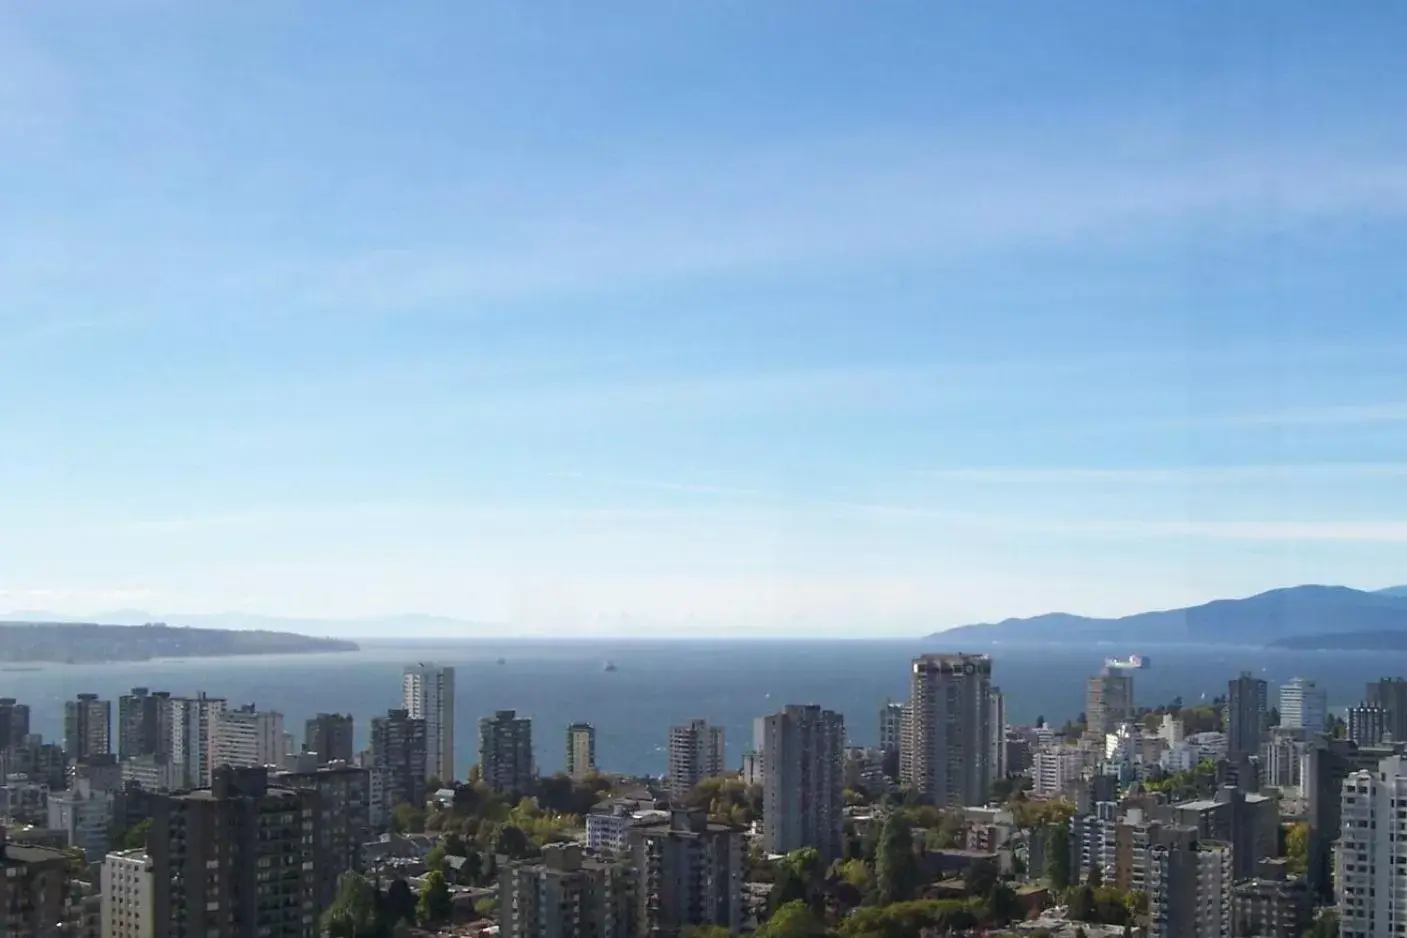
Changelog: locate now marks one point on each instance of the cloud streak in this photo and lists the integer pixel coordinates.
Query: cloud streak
(740, 214)
(1163, 476)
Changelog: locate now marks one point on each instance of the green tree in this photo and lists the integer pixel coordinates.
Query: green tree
(77, 862)
(135, 837)
(406, 818)
(399, 904)
(798, 877)
(982, 877)
(907, 919)
(435, 859)
(952, 831)
(512, 842)
(857, 873)
(1001, 904)
(435, 906)
(472, 872)
(1297, 847)
(705, 931)
(1082, 903)
(896, 867)
(1111, 906)
(353, 914)
(1057, 857)
(793, 920)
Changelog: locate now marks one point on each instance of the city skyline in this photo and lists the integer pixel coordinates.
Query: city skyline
(554, 322)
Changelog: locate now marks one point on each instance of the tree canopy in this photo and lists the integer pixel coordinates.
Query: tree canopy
(793, 920)
(353, 914)
(436, 905)
(896, 866)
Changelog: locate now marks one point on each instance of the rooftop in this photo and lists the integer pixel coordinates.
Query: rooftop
(27, 853)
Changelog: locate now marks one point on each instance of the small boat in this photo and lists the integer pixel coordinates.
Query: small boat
(609, 666)
(502, 660)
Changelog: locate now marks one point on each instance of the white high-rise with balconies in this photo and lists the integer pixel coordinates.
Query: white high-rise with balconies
(695, 753)
(1373, 851)
(248, 737)
(428, 693)
(1303, 705)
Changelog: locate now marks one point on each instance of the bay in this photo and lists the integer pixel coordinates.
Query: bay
(659, 683)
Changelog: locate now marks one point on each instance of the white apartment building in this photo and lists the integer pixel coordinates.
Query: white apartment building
(1172, 729)
(1211, 745)
(192, 737)
(695, 753)
(1056, 767)
(427, 692)
(1303, 705)
(246, 737)
(1180, 757)
(153, 774)
(1372, 892)
(127, 895)
(609, 831)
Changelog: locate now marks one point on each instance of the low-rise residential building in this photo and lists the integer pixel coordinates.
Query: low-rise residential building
(1272, 905)
(567, 894)
(1209, 746)
(34, 889)
(1189, 891)
(609, 823)
(691, 873)
(1249, 823)
(1092, 841)
(24, 800)
(1055, 767)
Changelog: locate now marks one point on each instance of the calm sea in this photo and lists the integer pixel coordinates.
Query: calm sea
(658, 683)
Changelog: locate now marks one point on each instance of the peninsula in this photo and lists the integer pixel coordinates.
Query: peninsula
(92, 643)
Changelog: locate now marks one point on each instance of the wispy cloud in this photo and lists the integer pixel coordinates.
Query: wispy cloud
(743, 214)
(1163, 476)
(1342, 414)
(851, 205)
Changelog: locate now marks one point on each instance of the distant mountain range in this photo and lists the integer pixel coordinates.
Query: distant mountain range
(1306, 617)
(368, 627)
(89, 642)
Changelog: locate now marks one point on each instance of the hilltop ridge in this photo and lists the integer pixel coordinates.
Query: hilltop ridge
(1309, 616)
(92, 642)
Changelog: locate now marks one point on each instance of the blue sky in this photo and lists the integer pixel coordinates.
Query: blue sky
(664, 317)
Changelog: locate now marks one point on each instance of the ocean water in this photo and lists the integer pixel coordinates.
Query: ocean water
(659, 683)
